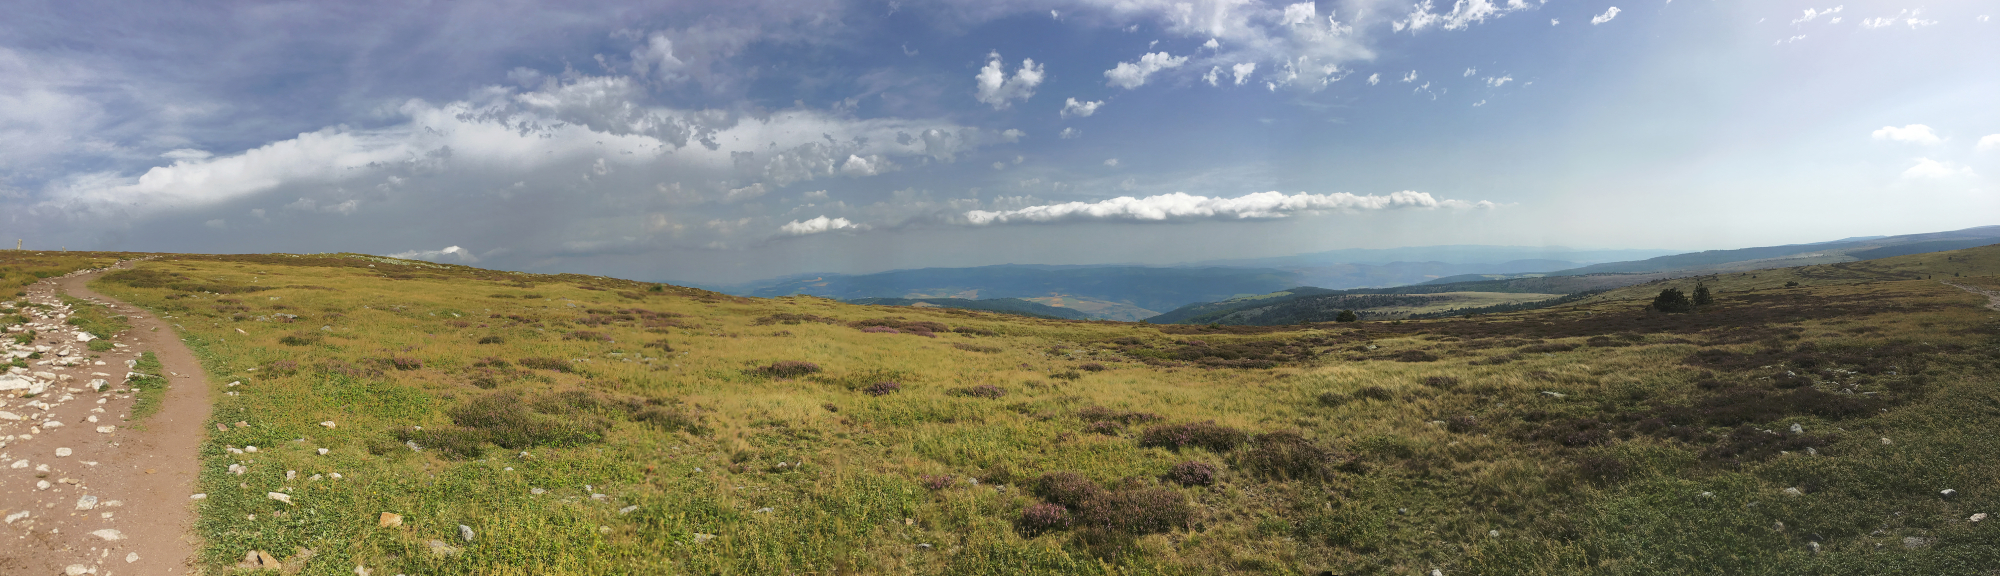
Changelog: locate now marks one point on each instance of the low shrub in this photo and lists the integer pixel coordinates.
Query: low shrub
(1331, 399)
(1091, 367)
(1102, 414)
(99, 345)
(670, 419)
(1209, 435)
(660, 344)
(975, 347)
(1043, 518)
(492, 340)
(1066, 375)
(937, 482)
(1288, 455)
(509, 422)
(881, 330)
(451, 442)
(1461, 424)
(1602, 468)
(1441, 382)
(1105, 427)
(1375, 393)
(788, 369)
(1191, 473)
(300, 339)
(882, 388)
(987, 391)
(587, 336)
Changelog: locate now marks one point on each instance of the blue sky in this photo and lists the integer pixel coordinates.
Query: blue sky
(714, 142)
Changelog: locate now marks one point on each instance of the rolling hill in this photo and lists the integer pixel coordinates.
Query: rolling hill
(1001, 305)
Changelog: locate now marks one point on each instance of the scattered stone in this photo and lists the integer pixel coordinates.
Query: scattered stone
(389, 520)
(16, 516)
(1554, 394)
(322, 451)
(238, 469)
(1977, 518)
(198, 497)
(109, 534)
(279, 496)
(635, 508)
(535, 491)
(64, 452)
(1797, 429)
(1793, 492)
(86, 502)
(441, 549)
(76, 570)
(1492, 533)
(465, 532)
(1947, 492)
(1814, 546)
(131, 557)
(1888, 442)
(698, 537)
(259, 560)
(41, 484)
(328, 424)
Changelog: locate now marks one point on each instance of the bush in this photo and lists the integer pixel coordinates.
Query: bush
(300, 339)
(881, 330)
(660, 344)
(405, 363)
(1441, 382)
(1067, 375)
(451, 442)
(1214, 437)
(1602, 469)
(1347, 316)
(1332, 399)
(1701, 295)
(1102, 414)
(492, 340)
(882, 389)
(936, 483)
(1191, 473)
(587, 336)
(1042, 518)
(1375, 393)
(1461, 424)
(788, 369)
(508, 422)
(1673, 301)
(1288, 455)
(1105, 427)
(987, 391)
(1792, 284)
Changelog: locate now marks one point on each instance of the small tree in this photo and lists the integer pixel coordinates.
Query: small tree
(1672, 300)
(1346, 316)
(1701, 296)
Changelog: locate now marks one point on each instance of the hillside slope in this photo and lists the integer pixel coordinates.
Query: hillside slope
(585, 425)
(1001, 305)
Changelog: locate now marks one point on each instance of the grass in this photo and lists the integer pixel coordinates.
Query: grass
(151, 388)
(1587, 438)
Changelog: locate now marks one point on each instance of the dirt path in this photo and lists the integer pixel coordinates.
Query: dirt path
(73, 469)
(1992, 297)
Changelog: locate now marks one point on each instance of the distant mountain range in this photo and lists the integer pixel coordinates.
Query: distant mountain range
(1216, 290)
(1015, 306)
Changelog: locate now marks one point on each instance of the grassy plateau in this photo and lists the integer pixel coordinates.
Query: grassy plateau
(562, 424)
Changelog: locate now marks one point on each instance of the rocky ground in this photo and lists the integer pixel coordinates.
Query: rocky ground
(83, 488)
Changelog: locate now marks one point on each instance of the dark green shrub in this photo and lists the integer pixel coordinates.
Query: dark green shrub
(788, 369)
(1347, 316)
(491, 340)
(1701, 295)
(1191, 473)
(1673, 301)
(300, 339)
(987, 391)
(556, 364)
(671, 419)
(510, 423)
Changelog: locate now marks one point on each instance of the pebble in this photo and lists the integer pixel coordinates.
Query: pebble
(1793, 492)
(64, 452)
(131, 557)
(109, 534)
(86, 502)
(465, 532)
(1977, 518)
(1947, 492)
(279, 496)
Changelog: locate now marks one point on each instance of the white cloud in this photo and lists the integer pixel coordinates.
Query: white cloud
(1243, 71)
(1211, 44)
(1479, 103)
(997, 89)
(1928, 168)
(1501, 81)
(1112, 162)
(1915, 133)
(1129, 75)
(1555, 21)
(1180, 206)
(186, 154)
(1608, 14)
(1812, 14)
(1070, 133)
(1906, 17)
(1374, 79)
(217, 224)
(1469, 72)
(656, 59)
(1463, 14)
(1214, 72)
(816, 226)
(1080, 109)
(1988, 142)
(1300, 13)
(1411, 77)
(449, 255)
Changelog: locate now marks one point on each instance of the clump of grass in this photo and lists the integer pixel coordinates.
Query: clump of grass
(1375, 393)
(1288, 455)
(1091, 367)
(987, 391)
(881, 330)
(1441, 382)
(1214, 437)
(492, 340)
(406, 363)
(1104, 427)
(662, 345)
(1067, 375)
(975, 347)
(1191, 473)
(788, 369)
(99, 345)
(882, 388)
(510, 423)
(1461, 424)
(587, 336)
(792, 319)
(1133, 510)
(451, 442)
(301, 338)
(150, 388)
(544, 363)
(670, 419)
(1102, 414)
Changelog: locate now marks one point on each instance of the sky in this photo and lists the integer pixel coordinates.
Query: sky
(718, 142)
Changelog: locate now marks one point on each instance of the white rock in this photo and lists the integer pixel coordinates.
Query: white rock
(109, 534)
(106, 429)
(1977, 518)
(76, 570)
(250, 449)
(465, 532)
(238, 469)
(41, 484)
(1797, 429)
(328, 424)
(1553, 394)
(197, 496)
(322, 451)
(1793, 492)
(279, 496)
(98, 384)
(84, 337)
(16, 516)
(5, 415)
(1947, 492)
(64, 452)
(86, 502)
(1888, 442)
(131, 557)
(635, 508)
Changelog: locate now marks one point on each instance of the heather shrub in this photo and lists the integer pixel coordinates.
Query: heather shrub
(297, 339)
(1091, 367)
(587, 336)
(1461, 424)
(882, 389)
(1066, 375)
(406, 363)
(1042, 518)
(1214, 437)
(556, 364)
(987, 391)
(1441, 382)
(936, 482)
(510, 423)
(1102, 414)
(492, 340)
(1288, 455)
(881, 330)
(1105, 427)
(788, 369)
(1191, 473)
(1375, 393)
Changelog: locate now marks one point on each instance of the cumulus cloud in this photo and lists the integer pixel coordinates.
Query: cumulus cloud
(1988, 143)
(1608, 14)
(1111, 162)
(1498, 82)
(816, 226)
(1129, 75)
(1926, 168)
(1374, 79)
(1914, 133)
(1070, 133)
(1555, 21)
(1180, 206)
(1411, 77)
(1080, 109)
(1813, 14)
(1243, 71)
(999, 90)
(449, 255)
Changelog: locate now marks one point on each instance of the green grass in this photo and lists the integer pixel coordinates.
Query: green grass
(1423, 439)
(151, 388)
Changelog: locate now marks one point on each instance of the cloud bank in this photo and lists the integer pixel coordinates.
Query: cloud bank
(1180, 206)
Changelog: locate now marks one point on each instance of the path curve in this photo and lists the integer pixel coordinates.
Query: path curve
(142, 478)
(1992, 297)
